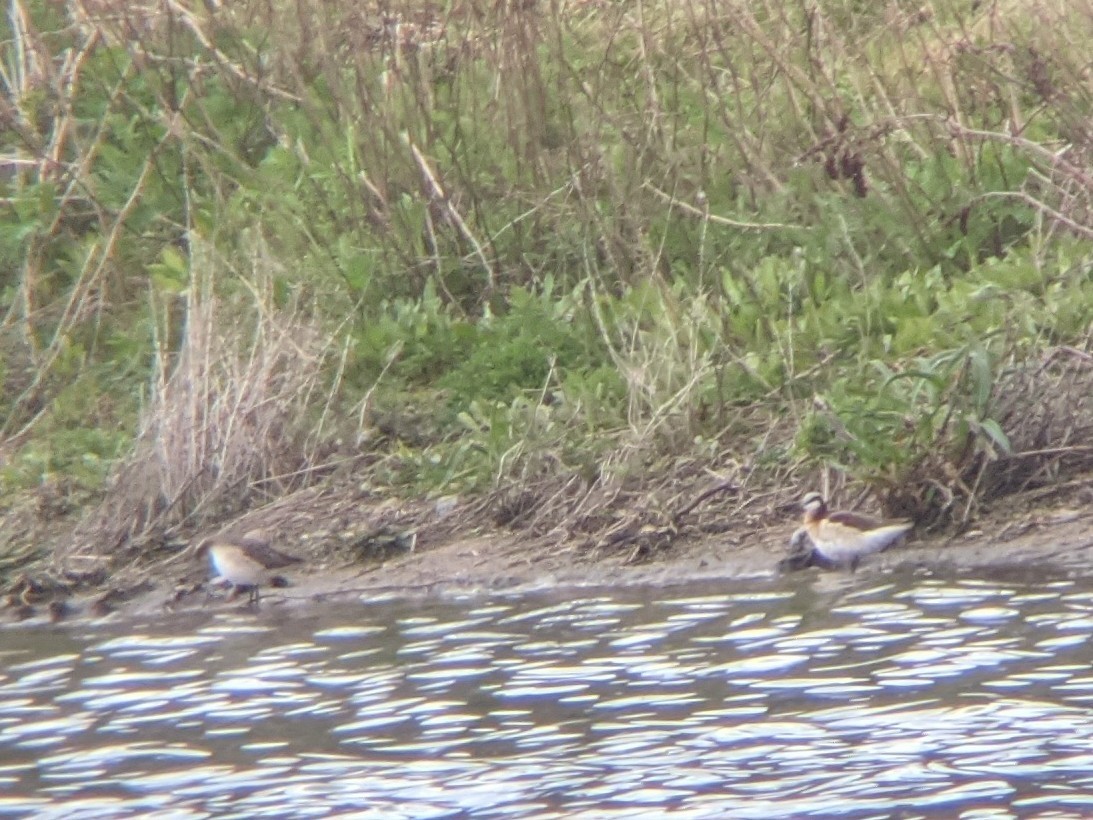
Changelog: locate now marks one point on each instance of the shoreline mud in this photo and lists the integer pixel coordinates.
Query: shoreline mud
(1042, 541)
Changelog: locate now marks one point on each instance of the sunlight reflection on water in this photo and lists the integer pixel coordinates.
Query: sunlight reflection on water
(927, 695)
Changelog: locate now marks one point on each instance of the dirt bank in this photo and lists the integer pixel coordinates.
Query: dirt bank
(358, 547)
(1063, 537)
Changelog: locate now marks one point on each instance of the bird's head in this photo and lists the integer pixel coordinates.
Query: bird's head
(814, 505)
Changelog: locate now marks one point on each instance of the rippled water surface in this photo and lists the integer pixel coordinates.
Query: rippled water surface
(818, 696)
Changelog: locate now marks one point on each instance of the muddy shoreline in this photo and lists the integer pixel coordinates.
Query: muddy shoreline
(444, 561)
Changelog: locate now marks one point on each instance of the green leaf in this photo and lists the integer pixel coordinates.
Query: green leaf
(982, 378)
(996, 434)
(175, 263)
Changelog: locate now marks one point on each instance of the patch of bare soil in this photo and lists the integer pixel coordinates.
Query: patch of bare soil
(357, 546)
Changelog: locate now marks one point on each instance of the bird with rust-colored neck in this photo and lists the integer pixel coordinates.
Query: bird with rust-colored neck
(245, 562)
(840, 539)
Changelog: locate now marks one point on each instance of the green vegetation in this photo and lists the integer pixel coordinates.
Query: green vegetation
(463, 248)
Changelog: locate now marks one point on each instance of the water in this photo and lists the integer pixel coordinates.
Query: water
(815, 696)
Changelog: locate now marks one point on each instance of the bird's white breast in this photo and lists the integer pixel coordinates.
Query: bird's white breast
(843, 544)
(237, 568)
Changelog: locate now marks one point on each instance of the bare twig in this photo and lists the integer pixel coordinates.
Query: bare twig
(723, 487)
(435, 191)
(691, 210)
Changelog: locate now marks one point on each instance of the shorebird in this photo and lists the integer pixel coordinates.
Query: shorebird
(840, 538)
(246, 563)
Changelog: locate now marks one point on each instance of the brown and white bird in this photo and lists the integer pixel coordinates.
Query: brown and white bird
(245, 562)
(841, 538)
